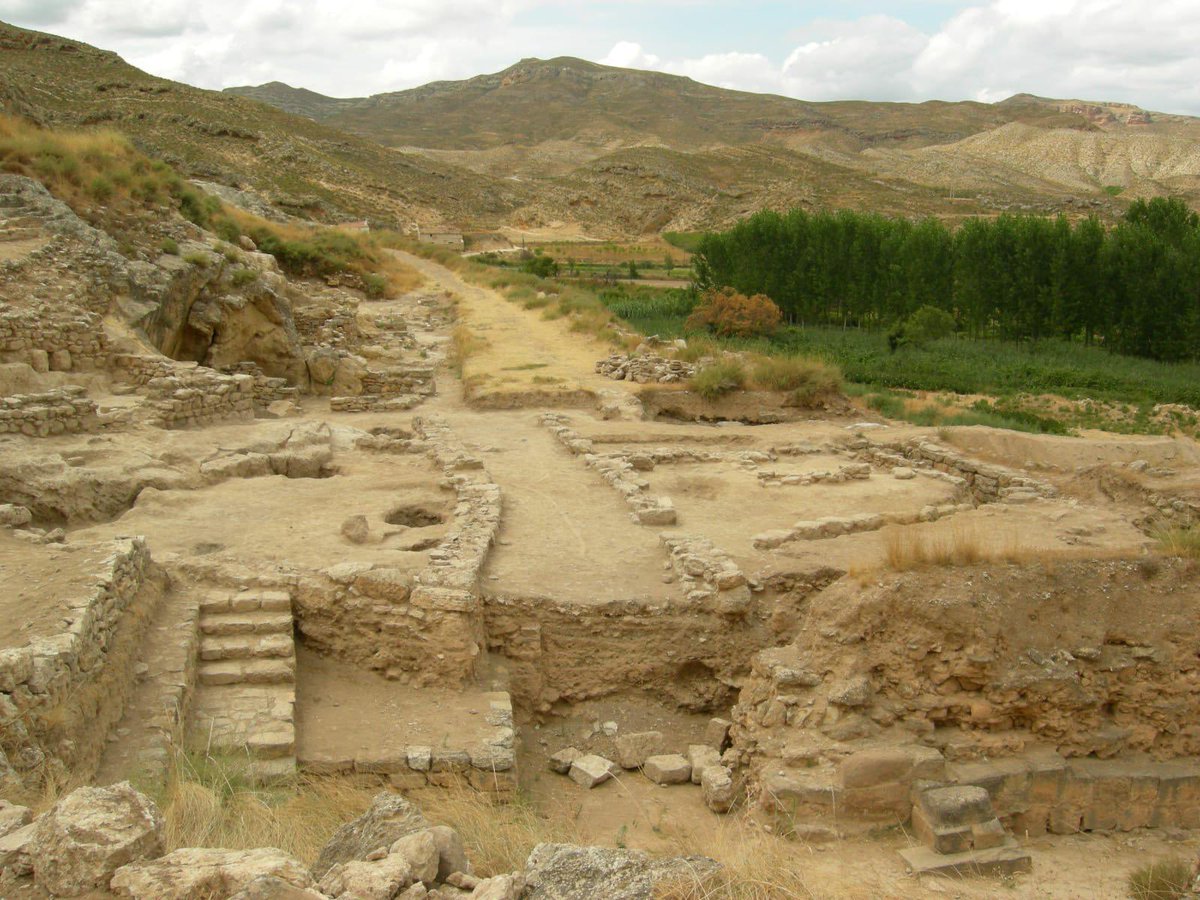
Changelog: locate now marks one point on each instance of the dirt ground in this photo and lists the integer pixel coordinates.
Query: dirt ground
(38, 584)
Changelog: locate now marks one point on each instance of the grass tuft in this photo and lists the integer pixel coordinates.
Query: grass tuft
(1167, 880)
(1175, 540)
(718, 379)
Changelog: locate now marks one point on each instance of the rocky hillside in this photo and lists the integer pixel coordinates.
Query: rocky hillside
(291, 162)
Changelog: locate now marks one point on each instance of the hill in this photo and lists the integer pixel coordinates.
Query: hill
(292, 162)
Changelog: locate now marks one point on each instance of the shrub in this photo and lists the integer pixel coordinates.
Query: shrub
(199, 260)
(929, 323)
(541, 266)
(169, 246)
(807, 380)
(718, 378)
(226, 229)
(1166, 880)
(101, 189)
(728, 313)
(1179, 541)
(374, 285)
(242, 277)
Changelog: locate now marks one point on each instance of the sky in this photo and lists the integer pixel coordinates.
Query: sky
(1104, 50)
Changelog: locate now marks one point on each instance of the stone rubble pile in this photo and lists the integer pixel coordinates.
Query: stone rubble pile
(644, 368)
(708, 765)
(111, 840)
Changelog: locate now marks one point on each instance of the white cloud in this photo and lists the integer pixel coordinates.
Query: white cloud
(989, 49)
(1087, 49)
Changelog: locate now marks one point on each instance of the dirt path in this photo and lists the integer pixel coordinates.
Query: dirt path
(520, 356)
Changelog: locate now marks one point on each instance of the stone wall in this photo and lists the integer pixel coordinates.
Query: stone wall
(986, 483)
(199, 396)
(60, 694)
(1086, 659)
(425, 628)
(53, 340)
(489, 765)
(66, 410)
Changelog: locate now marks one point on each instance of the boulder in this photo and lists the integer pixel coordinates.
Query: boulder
(500, 887)
(670, 768)
(13, 817)
(592, 770)
(91, 833)
(358, 879)
(420, 851)
(389, 818)
(452, 855)
(891, 765)
(206, 872)
(569, 872)
(16, 850)
(271, 887)
(13, 516)
(634, 749)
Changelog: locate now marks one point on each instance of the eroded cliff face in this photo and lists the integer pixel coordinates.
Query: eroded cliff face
(217, 309)
(1094, 658)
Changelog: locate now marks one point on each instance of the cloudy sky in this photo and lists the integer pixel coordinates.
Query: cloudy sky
(1144, 53)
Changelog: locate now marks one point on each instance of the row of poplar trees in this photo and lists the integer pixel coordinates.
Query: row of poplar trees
(1133, 288)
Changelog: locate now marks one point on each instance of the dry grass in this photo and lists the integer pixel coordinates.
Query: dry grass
(908, 548)
(756, 865)
(464, 344)
(1179, 541)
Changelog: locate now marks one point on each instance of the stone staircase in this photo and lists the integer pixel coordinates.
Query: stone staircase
(246, 680)
(18, 221)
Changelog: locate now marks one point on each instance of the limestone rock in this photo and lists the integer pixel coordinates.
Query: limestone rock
(670, 768)
(903, 473)
(358, 879)
(452, 855)
(701, 756)
(500, 887)
(271, 887)
(420, 851)
(717, 734)
(717, 786)
(888, 765)
(356, 530)
(390, 818)
(560, 762)
(205, 872)
(13, 817)
(13, 516)
(569, 872)
(16, 850)
(634, 749)
(592, 770)
(92, 832)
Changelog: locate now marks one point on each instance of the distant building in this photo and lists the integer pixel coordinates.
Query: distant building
(442, 237)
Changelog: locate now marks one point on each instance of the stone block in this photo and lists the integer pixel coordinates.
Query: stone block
(886, 765)
(718, 789)
(700, 757)
(1008, 859)
(634, 749)
(592, 770)
(560, 762)
(956, 806)
(716, 734)
(670, 768)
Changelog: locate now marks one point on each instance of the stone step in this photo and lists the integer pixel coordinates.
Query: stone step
(262, 622)
(247, 646)
(273, 744)
(246, 601)
(252, 671)
(1006, 859)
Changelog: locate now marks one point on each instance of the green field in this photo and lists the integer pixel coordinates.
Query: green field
(1002, 370)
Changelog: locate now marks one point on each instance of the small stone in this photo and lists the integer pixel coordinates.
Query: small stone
(701, 756)
(716, 784)
(903, 473)
(356, 530)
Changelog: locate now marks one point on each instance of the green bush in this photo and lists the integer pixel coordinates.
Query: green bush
(242, 277)
(226, 229)
(199, 260)
(806, 380)
(101, 189)
(718, 378)
(374, 285)
(928, 324)
(1167, 880)
(541, 266)
(169, 246)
